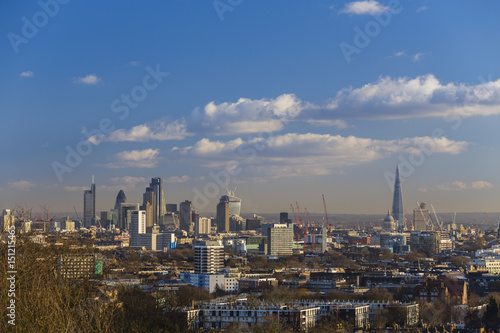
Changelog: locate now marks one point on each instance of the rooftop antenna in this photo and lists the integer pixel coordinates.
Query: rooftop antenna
(92, 179)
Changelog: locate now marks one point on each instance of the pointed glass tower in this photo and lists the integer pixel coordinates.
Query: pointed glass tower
(397, 202)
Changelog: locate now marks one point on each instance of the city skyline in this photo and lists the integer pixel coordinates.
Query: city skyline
(324, 98)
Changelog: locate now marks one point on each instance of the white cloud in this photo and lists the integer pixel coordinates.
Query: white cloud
(480, 184)
(156, 131)
(128, 180)
(247, 115)
(177, 180)
(133, 63)
(147, 158)
(368, 7)
(459, 186)
(423, 96)
(314, 154)
(27, 74)
(90, 79)
(22, 185)
(422, 8)
(76, 188)
(416, 57)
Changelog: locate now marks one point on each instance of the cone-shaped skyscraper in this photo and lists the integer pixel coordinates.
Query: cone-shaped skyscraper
(397, 202)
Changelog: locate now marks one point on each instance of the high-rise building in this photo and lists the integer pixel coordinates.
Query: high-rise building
(89, 205)
(186, 217)
(149, 205)
(397, 203)
(125, 214)
(254, 223)
(222, 218)
(202, 226)
(208, 257)
(137, 225)
(157, 186)
(279, 240)
(120, 198)
(420, 217)
(234, 203)
(171, 208)
(284, 217)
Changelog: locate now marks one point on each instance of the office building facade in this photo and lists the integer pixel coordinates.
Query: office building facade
(89, 212)
(208, 257)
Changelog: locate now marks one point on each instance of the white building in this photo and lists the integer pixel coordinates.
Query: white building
(202, 226)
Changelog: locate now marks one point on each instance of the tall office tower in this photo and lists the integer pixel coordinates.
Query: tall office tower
(7, 220)
(125, 214)
(222, 218)
(254, 223)
(284, 217)
(208, 257)
(185, 216)
(234, 203)
(202, 226)
(279, 240)
(120, 198)
(157, 185)
(171, 208)
(420, 217)
(397, 203)
(149, 205)
(89, 205)
(137, 225)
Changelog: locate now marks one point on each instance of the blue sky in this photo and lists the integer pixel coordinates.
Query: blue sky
(287, 100)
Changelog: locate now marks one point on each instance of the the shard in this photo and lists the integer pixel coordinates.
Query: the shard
(397, 203)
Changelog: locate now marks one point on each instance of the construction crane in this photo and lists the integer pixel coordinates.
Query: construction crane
(304, 228)
(423, 216)
(326, 216)
(489, 221)
(437, 219)
(310, 224)
(297, 223)
(77, 217)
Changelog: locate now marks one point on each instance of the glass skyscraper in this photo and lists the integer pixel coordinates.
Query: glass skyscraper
(397, 202)
(157, 185)
(89, 205)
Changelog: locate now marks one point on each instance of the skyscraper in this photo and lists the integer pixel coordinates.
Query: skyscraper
(120, 198)
(222, 218)
(397, 202)
(185, 216)
(229, 207)
(157, 186)
(137, 226)
(89, 205)
(126, 210)
(149, 205)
